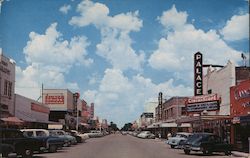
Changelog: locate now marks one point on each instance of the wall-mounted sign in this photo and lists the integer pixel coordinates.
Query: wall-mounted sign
(198, 107)
(198, 74)
(57, 99)
(203, 98)
(39, 108)
(240, 99)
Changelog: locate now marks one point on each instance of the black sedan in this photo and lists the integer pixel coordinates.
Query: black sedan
(206, 143)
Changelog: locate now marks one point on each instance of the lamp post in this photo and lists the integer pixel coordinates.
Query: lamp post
(76, 97)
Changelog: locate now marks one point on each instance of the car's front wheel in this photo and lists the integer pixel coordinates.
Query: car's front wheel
(27, 153)
(172, 146)
(187, 152)
(228, 152)
(52, 148)
(207, 152)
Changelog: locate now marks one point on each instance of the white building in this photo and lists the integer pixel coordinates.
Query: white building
(7, 85)
(219, 82)
(150, 107)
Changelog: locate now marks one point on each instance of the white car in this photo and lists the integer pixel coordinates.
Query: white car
(180, 136)
(146, 134)
(94, 134)
(84, 136)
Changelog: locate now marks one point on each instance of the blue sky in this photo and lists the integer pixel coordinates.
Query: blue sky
(120, 54)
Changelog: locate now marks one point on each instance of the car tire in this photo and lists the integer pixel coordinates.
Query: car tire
(228, 152)
(27, 153)
(5, 154)
(187, 152)
(207, 152)
(52, 148)
(172, 146)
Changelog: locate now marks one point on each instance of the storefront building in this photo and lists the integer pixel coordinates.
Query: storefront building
(7, 85)
(172, 110)
(240, 114)
(33, 113)
(61, 105)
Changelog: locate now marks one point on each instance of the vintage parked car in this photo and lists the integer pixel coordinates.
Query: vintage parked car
(206, 143)
(68, 139)
(175, 141)
(52, 142)
(94, 134)
(146, 134)
(83, 136)
(13, 141)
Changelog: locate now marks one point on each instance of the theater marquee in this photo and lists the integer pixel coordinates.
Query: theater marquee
(210, 102)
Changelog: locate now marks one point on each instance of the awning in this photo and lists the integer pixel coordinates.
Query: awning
(173, 124)
(12, 120)
(170, 124)
(154, 125)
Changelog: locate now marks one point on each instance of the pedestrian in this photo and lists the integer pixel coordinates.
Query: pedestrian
(169, 135)
(159, 135)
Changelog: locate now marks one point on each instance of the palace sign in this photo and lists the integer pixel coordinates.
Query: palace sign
(198, 74)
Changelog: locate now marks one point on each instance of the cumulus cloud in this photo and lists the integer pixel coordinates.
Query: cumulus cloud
(175, 51)
(116, 43)
(236, 28)
(49, 58)
(65, 8)
(121, 98)
(172, 19)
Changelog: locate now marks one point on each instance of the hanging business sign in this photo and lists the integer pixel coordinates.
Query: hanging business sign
(198, 74)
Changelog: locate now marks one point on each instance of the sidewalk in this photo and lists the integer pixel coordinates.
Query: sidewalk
(240, 154)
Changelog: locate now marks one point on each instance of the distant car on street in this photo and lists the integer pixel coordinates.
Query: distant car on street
(175, 141)
(94, 134)
(146, 134)
(206, 143)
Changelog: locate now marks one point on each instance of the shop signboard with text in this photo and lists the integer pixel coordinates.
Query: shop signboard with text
(210, 102)
(240, 99)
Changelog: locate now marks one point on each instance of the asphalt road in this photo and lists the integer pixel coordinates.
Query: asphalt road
(123, 146)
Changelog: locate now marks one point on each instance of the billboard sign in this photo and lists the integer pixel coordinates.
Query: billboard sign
(54, 99)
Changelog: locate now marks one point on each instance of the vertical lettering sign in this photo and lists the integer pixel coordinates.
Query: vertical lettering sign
(198, 74)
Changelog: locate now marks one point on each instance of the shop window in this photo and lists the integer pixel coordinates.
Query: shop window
(209, 91)
(183, 111)
(5, 87)
(10, 89)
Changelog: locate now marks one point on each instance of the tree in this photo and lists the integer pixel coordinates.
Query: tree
(113, 126)
(127, 127)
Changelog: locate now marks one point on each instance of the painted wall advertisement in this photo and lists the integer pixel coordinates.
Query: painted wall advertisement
(240, 99)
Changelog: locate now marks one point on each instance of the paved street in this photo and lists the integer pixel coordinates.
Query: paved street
(122, 146)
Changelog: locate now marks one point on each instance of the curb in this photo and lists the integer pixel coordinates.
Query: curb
(240, 154)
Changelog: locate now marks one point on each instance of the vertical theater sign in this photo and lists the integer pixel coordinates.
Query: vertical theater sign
(198, 74)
